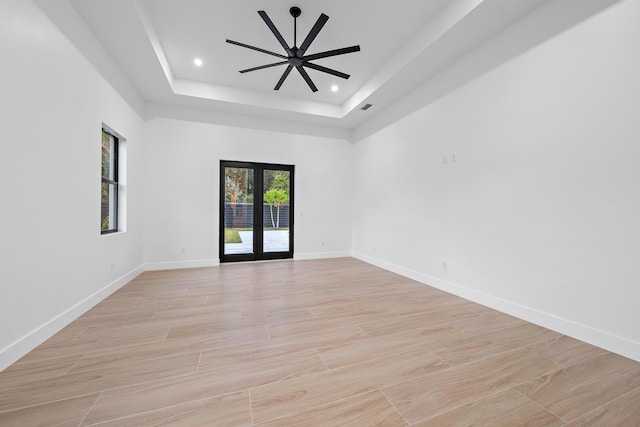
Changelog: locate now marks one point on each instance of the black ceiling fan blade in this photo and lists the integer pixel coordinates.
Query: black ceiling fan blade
(284, 77)
(312, 34)
(326, 70)
(306, 78)
(256, 48)
(334, 52)
(275, 64)
(275, 31)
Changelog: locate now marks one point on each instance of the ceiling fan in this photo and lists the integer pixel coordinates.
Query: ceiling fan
(295, 56)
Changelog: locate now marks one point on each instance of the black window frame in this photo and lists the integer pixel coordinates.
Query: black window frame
(112, 182)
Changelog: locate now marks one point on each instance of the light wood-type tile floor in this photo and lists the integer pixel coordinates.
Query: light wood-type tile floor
(310, 343)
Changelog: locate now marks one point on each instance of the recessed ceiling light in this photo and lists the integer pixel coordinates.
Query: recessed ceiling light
(334, 88)
(197, 62)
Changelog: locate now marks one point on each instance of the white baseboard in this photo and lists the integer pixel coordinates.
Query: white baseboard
(321, 255)
(176, 265)
(24, 345)
(620, 345)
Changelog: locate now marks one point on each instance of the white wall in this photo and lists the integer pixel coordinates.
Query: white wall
(182, 194)
(538, 215)
(54, 264)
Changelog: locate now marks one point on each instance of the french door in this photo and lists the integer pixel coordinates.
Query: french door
(256, 211)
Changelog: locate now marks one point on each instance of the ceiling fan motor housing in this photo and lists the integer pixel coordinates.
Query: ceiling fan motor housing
(295, 11)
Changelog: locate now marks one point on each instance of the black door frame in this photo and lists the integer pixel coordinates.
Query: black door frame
(258, 220)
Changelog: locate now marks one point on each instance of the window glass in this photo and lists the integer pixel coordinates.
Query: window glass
(109, 188)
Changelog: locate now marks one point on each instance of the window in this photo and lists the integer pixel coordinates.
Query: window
(109, 190)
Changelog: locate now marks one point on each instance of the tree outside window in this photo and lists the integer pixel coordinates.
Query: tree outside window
(109, 187)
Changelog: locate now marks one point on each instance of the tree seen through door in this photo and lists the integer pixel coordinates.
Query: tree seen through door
(276, 195)
(276, 185)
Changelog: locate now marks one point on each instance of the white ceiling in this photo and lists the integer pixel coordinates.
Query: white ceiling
(403, 43)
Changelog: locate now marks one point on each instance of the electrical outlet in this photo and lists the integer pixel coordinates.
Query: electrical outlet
(444, 265)
(113, 267)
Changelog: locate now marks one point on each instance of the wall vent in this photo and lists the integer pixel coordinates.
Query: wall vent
(365, 107)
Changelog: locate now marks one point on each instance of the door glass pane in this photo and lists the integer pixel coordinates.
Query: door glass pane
(238, 211)
(275, 210)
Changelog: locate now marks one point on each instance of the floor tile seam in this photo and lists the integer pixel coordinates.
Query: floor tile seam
(466, 402)
(118, 328)
(322, 359)
(494, 391)
(602, 376)
(481, 307)
(313, 407)
(142, 360)
(441, 359)
(75, 364)
(112, 348)
(505, 350)
(266, 328)
(42, 379)
(412, 328)
(400, 352)
(471, 402)
(588, 358)
(120, 350)
(172, 324)
(22, 364)
(564, 365)
(394, 383)
(108, 320)
(398, 314)
(515, 388)
(292, 377)
(76, 335)
(306, 334)
(468, 335)
(536, 342)
(6, 411)
(90, 408)
(250, 405)
(198, 363)
(143, 383)
(151, 411)
(348, 319)
(55, 341)
(363, 331)
(468, 362)
(394, 406)
(604, 404)
(167, 334)
(501, 329)
(302, 352)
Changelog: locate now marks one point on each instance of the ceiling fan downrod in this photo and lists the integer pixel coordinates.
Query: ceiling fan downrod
(295, 12)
